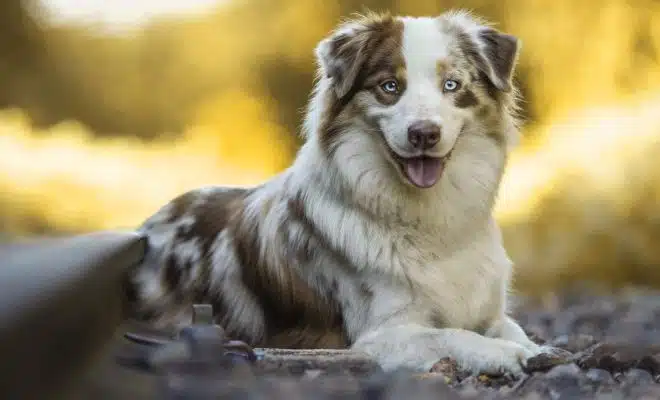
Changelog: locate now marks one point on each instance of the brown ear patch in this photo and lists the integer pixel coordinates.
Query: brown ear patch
(343, 54)
(494, 54)
(358, 57)
(347, 53)
(500, 51)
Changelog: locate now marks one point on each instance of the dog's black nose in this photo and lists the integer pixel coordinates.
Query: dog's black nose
(423, 135)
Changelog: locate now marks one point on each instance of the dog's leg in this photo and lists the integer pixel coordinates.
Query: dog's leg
(506, 328)
(417, 347)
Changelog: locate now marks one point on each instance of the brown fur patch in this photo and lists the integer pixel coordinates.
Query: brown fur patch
(180, 205)
(500, 51)
(197, 218)
(376, 52)
(211, 215)
(438, 320)
(172, 274)
(499, 56)
(297, 314)
(465, 98)
(467, 49)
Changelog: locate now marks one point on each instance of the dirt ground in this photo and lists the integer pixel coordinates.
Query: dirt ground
(613, 339)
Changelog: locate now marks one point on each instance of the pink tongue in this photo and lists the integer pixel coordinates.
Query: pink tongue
(423, 172)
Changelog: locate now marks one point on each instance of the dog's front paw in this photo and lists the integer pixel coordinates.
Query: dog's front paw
(499, 358)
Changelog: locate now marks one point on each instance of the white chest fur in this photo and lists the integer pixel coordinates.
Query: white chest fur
(465, 289)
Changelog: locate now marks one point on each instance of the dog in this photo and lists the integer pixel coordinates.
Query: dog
(380, 236)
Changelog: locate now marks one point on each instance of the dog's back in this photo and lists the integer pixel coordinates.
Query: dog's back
(203, 248)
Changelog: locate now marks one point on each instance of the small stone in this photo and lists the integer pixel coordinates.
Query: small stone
(613, 357)
(566, 381)
(636, 376)
(312, 373)
(574, 343)
(565, 370)
(599, 376)
(617, 376)
(470, 381)
(546, 361)
(650, 363)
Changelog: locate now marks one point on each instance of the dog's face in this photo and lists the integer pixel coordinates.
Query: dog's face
(415, 85)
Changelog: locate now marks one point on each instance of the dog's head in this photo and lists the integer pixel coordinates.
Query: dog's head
(406, 90)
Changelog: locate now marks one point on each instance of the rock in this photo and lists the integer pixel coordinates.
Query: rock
(546, 361)
(560, 381)
(615, 357)
(573, 343)
(563, 371)
(599, 377)
(650, 363)
(636, 377)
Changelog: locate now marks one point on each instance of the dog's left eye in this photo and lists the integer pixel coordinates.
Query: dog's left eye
(450, 85)
(390, 86)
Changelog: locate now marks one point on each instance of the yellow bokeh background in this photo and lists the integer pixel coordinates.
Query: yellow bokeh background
(99, 128)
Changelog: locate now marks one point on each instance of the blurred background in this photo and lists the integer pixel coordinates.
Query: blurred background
(108, 109)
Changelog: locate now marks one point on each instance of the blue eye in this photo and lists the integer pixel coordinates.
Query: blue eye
(450, 85)
(390, 86)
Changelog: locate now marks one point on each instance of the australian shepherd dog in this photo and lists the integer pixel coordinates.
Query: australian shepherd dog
(380, 236)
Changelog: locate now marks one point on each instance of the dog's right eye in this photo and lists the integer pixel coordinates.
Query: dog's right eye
(390, 86)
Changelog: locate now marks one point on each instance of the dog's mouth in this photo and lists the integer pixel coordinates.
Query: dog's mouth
(422, 171)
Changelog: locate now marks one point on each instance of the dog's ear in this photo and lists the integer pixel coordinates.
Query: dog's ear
(499, 54)
(342, 55)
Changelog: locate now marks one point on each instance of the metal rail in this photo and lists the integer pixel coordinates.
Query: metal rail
(61, 302)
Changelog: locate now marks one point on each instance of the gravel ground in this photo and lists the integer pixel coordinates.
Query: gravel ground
(613, 340)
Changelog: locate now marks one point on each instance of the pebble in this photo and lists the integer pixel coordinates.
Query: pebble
(599, 376)
(574, 343)
(637, 376)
